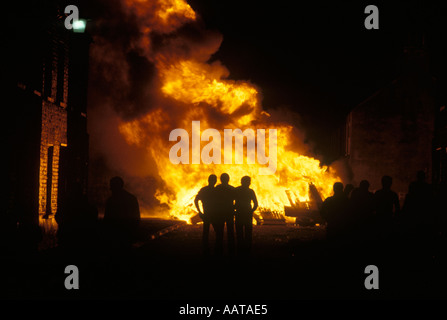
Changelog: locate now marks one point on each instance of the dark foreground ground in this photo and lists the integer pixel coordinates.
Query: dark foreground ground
(287, 262)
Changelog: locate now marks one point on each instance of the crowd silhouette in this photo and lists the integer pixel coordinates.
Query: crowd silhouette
(222, 206)
(352, 214)
(225, 206)
(361, 217)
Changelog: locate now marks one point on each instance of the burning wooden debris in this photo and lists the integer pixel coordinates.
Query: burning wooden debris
(306, 213)
(269, 217)
(195, 219)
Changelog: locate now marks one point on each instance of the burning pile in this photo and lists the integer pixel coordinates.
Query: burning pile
(186, 87)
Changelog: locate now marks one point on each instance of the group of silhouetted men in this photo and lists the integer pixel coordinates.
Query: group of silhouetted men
(358, 213)
(225, 206)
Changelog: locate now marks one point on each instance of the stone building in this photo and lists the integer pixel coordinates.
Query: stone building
(392, 131)
(44, 79)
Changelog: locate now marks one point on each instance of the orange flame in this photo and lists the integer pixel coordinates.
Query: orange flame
(201, 91)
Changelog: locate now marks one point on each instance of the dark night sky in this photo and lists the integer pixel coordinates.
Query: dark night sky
(317, 57)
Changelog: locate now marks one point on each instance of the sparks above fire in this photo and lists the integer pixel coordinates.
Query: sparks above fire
(189, 91)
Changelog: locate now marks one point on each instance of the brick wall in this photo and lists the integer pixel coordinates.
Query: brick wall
(54, 134)
(54, 117)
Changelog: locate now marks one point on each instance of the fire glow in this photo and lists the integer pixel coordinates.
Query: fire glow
(191, 91)
(211, 153)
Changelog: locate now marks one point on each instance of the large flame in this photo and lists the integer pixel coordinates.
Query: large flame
(201, 91)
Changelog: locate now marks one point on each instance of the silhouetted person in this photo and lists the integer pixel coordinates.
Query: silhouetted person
(244, 197)
(224, 214)
(440, 197)
(335, 211)
(206, 195)
(422, 187)
(387, 206)
(121, 216)
(418, 207)
(77, 220)
(362, 208)
(348, 190)
(412, 204)
(386, 200)
(419, 198)
(350, 216)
